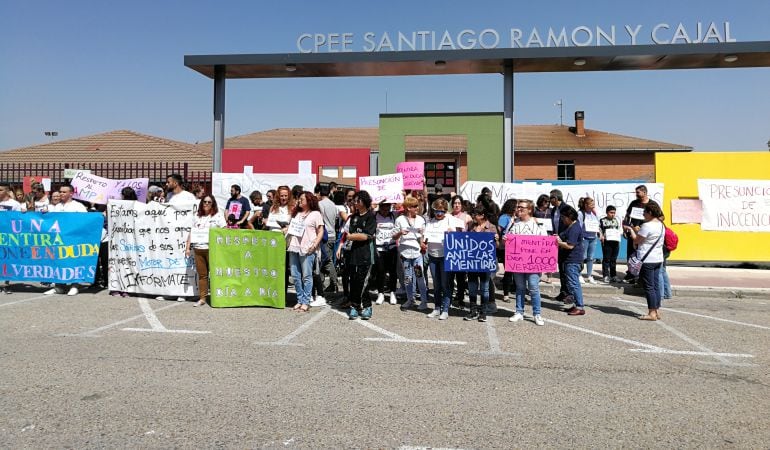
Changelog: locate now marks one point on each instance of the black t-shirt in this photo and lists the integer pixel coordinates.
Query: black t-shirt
(637, 204)
(362, 252)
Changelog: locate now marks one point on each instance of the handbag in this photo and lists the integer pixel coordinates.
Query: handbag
(634, 264)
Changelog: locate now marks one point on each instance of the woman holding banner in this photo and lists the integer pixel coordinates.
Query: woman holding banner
(480, 281)
(198, 242)
(461, 220)
(528, 226)
(435, 230)
(305, 232)
(409, 231)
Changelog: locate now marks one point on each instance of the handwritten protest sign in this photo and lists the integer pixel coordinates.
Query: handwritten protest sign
(51, 247)
(735, 205)
(470, 252)
(384, 188)
(95, 189)
(619, 195)
(28, 180)
(530, 254)
(262, 182)
(246, 268)
(413, 172)
(70, 173)
(688, 210)
(147, 248)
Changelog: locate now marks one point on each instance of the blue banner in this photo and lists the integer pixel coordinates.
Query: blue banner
(470, 252)
(51, 247)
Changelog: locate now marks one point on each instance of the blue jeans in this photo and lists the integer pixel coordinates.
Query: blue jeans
(665, 283)
(589, 248)
(650, 278)
(302, 271)
(479, 281)
(413, 274)
(441, 292)
(533, 281)
(573, 282)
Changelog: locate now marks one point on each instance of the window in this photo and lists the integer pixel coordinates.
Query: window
(440, 172)
(565, 169)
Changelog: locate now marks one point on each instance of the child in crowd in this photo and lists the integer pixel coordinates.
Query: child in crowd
(610, 236)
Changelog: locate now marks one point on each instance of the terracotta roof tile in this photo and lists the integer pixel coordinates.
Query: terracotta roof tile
(113, 146)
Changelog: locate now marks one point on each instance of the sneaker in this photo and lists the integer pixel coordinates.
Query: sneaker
(582, 280)
(406, 306)
(473, 315)
(380, 299)
(539, 320)
(423, 306)
(73, 291)
(124, 294)
(482, 317)
(518, 317)
(491, 308)
(506, 298)
(52, 291)
(353, 314)
(160, 297)
(444, 316)
(393, 299)
(591, 280)
(181, 299)
(366, 314)
(606, 279)
(319, 301)
(435, 313)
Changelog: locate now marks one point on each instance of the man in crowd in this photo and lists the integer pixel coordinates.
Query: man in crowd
(329, 213)
(557, 201)
(635, 219)
(38, 199)
(7, 203)
(241, 212)
(67, 204)
(177, 195)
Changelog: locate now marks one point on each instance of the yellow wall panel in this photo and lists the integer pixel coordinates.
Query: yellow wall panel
(679, 172)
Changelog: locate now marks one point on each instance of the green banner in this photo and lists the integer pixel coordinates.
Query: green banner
(246, 268)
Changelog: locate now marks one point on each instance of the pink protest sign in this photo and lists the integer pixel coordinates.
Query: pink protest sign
(95, 189)
(686, 211)
(414, 173)
(530, 254)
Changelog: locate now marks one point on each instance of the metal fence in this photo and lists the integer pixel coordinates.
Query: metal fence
(157, 172)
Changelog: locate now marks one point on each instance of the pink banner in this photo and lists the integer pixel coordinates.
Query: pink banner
(530, 254)
(686, 211)
(414, 174)
(95, 189)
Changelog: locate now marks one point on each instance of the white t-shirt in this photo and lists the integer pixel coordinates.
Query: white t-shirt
(10, 205)
(531, 227)
(282, 215)
(70, 206)
(409, 243)
(434, 234)
(183, 198)
(650, 231)
(199, 233)
(40, 205)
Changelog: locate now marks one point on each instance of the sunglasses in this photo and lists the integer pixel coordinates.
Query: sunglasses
(207, 202)
(439, 212)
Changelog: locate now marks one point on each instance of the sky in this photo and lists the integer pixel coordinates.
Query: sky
(87, 67)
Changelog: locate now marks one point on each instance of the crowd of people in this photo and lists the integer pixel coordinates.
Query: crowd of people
(337, 240)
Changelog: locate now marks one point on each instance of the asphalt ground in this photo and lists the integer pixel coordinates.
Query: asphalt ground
(95, 371)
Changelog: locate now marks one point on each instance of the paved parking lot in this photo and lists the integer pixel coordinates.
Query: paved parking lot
(99, 371)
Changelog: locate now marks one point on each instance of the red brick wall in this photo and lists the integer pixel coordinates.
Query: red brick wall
(588, 166)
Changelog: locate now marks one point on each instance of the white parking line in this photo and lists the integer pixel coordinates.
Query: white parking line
(393, 337)
(762, 327)
(286, 340)
(155, 324)
(94, 332)
(26, 300)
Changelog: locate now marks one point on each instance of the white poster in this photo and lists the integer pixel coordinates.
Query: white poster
(262, 182)
(735, 205)
(619, 195)
(147, 248)
(384, 188)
